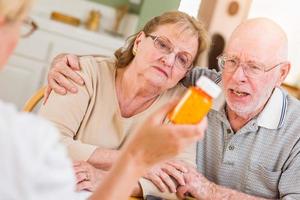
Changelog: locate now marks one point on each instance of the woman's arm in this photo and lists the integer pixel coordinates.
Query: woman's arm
(152, 143)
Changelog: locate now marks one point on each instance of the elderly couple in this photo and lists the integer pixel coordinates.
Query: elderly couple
(251, 149)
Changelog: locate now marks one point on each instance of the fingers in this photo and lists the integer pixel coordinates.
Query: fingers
(168, 181)
(81, 176)
(157, 181)
(69, 73)
(182, 191)
(76, 163)
(62, 74)
(54, 85)
(73, 61)
(64, 82)
(84, 185)
(176, 174)
(178, 165)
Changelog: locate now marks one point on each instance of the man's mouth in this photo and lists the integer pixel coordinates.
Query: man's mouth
(239, 93)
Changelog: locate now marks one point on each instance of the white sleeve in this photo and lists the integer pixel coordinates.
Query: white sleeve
(34, 165)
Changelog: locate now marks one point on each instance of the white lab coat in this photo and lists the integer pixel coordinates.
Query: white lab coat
(33, 164)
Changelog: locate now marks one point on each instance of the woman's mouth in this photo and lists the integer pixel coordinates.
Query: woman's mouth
(161, 71)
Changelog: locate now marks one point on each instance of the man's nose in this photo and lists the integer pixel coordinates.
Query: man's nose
(239, 73)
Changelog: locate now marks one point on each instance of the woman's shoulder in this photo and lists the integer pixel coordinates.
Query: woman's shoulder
(96, 62)
(96, 67)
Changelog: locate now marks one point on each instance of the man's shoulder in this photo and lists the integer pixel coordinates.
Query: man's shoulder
(293, 107)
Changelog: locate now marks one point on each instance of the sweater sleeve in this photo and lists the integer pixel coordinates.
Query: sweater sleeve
(67, 112)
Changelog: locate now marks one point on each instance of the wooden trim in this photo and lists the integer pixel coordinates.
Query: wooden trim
(206, 11)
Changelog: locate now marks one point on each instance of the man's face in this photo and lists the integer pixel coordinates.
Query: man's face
(245, 95)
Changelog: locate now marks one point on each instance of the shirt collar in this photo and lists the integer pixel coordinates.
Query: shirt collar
(273, 115)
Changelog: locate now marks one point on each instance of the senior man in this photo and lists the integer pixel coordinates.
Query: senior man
(252, 146)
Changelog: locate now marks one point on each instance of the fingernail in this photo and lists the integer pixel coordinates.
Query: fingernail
(73, 89)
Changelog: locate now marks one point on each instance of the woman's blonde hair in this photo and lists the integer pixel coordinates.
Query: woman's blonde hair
(124, 55)
(14, 10)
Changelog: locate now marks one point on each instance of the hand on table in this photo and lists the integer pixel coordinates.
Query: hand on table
(87, 176)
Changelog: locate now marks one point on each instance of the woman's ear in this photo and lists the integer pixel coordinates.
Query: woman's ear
(138, 39)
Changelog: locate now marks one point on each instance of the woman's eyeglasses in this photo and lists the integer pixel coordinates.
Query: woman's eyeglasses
(183, 60)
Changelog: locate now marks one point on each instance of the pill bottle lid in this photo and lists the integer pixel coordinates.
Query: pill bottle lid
(208, 86)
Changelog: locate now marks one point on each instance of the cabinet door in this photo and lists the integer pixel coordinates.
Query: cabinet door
(20, 79)
(66, 45)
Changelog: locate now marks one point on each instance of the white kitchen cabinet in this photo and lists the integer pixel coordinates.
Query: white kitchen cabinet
(27, 68)
(20, 79)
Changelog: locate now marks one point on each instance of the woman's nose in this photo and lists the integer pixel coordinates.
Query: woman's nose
(169, 59)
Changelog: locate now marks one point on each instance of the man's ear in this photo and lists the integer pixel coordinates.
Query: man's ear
(284, 71)
(138, 39)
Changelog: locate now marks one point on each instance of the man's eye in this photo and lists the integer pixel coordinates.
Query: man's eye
(231, 62)
(255, 67)
(183, 59)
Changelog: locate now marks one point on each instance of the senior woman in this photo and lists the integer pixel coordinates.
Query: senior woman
(33, 167)
(119, 93)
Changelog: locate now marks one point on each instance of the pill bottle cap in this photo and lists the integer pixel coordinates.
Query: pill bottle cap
(208, 86)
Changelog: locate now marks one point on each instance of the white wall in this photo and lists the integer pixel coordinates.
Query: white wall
(285, 13)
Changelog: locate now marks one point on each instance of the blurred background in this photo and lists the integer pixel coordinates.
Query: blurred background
(101, 26)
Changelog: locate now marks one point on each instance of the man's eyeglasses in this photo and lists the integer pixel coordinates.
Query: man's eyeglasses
(183, 60)
(229, 64)
(28, 27)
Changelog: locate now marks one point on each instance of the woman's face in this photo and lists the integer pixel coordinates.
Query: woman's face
(164, 56)
(9, 36)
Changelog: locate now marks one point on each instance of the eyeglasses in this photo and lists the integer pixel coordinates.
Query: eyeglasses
(229, 64)
(183, 60)
(28, 27)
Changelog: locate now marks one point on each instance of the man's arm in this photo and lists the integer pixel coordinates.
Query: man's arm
(201, 188)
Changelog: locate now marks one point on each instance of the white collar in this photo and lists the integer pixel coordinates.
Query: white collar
(272, 116)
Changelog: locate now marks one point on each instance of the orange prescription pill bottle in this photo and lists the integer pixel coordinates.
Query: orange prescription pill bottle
(195, 103)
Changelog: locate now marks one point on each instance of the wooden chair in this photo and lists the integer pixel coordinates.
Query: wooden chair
(293, 90)
(34, 100)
